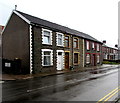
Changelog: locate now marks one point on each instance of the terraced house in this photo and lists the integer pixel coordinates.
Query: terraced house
(43, 46)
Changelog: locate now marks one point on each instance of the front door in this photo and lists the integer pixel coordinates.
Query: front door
(66, 60)
(59, 61)
(94, 60)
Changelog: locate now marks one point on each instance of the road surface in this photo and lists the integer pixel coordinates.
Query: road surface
(94, 86)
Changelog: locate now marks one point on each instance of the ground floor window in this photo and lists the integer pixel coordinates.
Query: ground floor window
(75, 58)
(98, 58)
(87, 58)
(47, 56)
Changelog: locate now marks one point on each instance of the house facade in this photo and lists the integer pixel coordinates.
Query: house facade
(93, 53)
(42, 46)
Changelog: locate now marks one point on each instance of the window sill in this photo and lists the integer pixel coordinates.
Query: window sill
(60, 45)
(47, 65)
(46, 44)
(76, 64)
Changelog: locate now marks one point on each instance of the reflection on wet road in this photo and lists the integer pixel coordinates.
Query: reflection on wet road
(81, 86)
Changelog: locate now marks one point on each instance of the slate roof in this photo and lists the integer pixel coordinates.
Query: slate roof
(36, 20)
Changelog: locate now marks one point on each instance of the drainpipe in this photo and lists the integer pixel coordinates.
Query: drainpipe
(72, 52)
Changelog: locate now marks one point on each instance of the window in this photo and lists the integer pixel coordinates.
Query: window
(66, 41)
(7, 64)
(76, 58)
(47, 36)
(88, 45)
(98, 47)
(47, 57)
(93, 46)
(59, 39)
(75, 43)
(87, 58)
(98, 58)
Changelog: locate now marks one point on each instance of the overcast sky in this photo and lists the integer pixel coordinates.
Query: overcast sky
(98, 18)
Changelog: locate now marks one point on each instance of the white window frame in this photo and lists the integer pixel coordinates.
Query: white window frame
(50, 43)
(61, 38)
(98, 58)
(88, 45)
(51, 56)
(93, 45)
(87, 56)
(98, 47)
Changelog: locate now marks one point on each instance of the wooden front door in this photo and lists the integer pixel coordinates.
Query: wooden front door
(66, 60)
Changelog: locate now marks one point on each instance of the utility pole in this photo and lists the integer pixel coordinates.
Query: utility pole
(119, 31)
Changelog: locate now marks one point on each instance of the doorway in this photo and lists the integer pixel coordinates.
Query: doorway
(94, 60)
(59, 61)
(66, 60)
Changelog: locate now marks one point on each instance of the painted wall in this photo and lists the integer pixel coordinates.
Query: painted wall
(15, 43)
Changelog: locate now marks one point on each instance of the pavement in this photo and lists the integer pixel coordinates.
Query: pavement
(5, 77)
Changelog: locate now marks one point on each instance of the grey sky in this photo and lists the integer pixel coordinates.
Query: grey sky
(98, 18)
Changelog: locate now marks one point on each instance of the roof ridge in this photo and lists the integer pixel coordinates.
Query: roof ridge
(47, 23)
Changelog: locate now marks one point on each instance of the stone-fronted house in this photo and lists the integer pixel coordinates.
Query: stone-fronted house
(43, 46)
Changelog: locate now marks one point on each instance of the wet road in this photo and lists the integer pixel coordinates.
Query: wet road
(84, 86)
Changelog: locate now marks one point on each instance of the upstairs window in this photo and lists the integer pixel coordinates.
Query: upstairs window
(88, 45)
(75, 43)
(66, 41)
(60, 39)
(98, 47)
(47, 36)
(93, 46)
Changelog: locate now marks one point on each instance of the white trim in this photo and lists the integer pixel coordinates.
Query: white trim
(62, 51)
(50, 36)
(31, 64)
(62, 38)
(51, 57)
(21, 16)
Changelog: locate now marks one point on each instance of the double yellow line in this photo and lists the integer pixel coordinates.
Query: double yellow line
(110, 95)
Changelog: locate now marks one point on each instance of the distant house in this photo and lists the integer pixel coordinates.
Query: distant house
(109, 53)
(43, 46)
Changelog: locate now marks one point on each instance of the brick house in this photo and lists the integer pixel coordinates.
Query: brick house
(43, 46)
(109, 53)
(93, 53)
